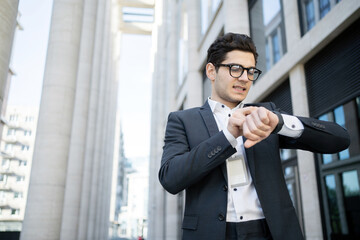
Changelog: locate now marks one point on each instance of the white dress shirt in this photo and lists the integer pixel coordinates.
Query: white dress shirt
(243, 202)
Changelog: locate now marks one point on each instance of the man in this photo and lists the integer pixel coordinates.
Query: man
(226, 154)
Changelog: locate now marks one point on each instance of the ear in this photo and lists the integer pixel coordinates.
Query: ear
(210, 71)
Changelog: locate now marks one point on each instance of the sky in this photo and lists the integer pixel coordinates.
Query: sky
(134, 101)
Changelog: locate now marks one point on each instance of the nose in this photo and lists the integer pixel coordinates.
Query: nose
(244, 76)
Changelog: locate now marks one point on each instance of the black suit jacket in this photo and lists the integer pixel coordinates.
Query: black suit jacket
(194, 157)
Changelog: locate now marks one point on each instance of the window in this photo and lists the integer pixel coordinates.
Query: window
(3, 178)
(25, 148)
(351, 192)
(18, 195)
(13, 118)
(5, 164)
(2, 196)
(324, 7)
(20, 178)
(22, 163)
(267, 53)
(8, 147)
(267, 31)
(313, 11)
(15, 211)
(27, 132)
(208, 10)
(11, 132)
(338, 116)
(310, 14)
(339, 174)
(276, 47)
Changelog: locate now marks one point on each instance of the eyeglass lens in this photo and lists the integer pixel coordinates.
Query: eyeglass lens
(236, 71)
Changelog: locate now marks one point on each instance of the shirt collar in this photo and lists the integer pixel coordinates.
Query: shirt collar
(217, 106)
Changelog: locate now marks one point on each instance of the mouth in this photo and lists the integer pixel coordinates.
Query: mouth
(239, 88)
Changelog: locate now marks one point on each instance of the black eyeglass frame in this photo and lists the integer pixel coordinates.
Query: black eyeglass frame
(243, 68)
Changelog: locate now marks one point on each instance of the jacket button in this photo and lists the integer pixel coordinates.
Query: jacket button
(225, 188)
(221, 217)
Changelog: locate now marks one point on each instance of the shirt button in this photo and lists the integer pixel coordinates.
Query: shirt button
(235, 189)
(221, 217)
(241, 217)
(222, 106)
(229, 115)
(293, 126)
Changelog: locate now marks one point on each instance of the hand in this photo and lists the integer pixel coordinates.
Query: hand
(254, 123)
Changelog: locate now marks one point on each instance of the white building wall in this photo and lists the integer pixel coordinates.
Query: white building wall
(17, 147)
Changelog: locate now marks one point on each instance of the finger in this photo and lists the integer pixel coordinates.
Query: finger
(249, 143)
(258, 118)
(246, 111)
(263, 115)
(248, 133)
(253, 128)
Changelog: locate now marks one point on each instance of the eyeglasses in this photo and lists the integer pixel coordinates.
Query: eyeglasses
(237, 70)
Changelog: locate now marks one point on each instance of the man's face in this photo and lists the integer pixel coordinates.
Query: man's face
(225, 88)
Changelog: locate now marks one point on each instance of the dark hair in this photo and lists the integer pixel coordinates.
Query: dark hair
(229, 42)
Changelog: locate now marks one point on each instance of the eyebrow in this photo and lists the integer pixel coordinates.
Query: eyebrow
(239, 65)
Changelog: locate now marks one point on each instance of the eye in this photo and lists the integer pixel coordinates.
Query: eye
(236, 68)
(252, 71)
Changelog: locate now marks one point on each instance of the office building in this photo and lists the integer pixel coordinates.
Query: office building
(17, 147)
(309, 53)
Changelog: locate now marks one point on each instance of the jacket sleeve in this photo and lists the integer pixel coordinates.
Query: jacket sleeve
(182, 166)
(318, 136)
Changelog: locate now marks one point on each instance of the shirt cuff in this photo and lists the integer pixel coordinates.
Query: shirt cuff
(232, 140)
(292, 127)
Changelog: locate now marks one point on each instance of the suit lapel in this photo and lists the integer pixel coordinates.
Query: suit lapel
(209, 119)
(212, 127)
(251, 160)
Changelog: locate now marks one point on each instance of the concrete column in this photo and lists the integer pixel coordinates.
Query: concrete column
(306, 161)
(111, 93)
(171, 223)
(236, 16)
(194, 78)
(156, 209)
(103, 140)
(8, 14)
(43, 215)
(90, 161)
(98, 154)
(292, 24)
(72, 199)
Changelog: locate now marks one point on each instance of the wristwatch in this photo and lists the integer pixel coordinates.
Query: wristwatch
(280, 124)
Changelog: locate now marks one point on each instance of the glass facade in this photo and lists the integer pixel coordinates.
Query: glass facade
(340, 176)
(338, 116)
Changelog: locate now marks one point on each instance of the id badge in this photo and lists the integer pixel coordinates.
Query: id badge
(237, 172)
